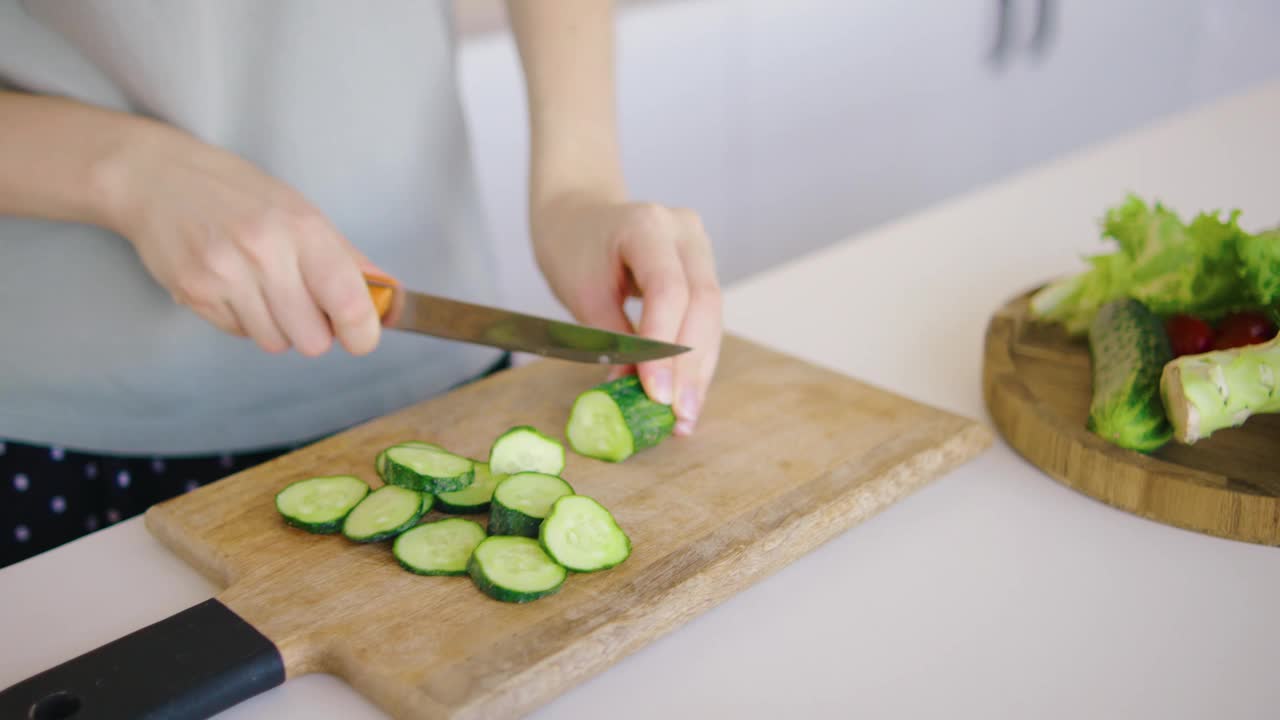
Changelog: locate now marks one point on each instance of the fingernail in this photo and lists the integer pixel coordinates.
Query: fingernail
(684, 427)
(661, 381)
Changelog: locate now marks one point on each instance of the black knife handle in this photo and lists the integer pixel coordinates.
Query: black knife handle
(189, 666)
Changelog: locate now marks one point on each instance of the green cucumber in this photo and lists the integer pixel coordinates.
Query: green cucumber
(1128, 349)
(524, 449)
(440, 547)
(385, 513)
(320, 504)
(380, 462)
(428, 469)
(580, 534)
(475, 497)
(514, 569)
(615, 420)
(522, 501)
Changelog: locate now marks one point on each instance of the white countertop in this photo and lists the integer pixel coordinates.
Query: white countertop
(994, 592)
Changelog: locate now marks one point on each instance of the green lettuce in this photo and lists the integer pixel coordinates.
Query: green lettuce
(1208, 267)
(1260, 266)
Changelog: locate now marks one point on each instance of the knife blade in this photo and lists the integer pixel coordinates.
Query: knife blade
(441, 317)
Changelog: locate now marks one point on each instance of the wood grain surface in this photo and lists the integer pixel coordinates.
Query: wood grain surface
(786, 456)
(1037, 385)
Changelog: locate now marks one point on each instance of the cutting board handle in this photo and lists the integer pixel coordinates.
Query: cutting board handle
(193, 664)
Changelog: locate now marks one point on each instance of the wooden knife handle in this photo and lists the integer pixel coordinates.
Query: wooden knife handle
(382, 290)
(189, 666)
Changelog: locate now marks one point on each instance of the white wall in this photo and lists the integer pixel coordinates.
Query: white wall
(790, 124)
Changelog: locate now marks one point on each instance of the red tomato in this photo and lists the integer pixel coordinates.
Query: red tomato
(1244, 328)
(1189, 335)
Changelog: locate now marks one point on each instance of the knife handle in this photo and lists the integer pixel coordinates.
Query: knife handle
(189, 666)
(382, 290)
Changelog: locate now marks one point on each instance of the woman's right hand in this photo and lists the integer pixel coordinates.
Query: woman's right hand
(240, 248)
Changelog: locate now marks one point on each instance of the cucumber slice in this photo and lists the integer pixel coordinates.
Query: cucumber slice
(320, 504)
(615, 420)
(475, 497)
(428, 469)
(522, 501)
(380, 462)
(580, 534)
(514, 569)
(524, 449)
(442, 547)
(385, 513)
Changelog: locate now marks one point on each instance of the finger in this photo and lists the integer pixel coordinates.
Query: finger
(702, 326)
(220, 315)
(332, 275)
(252, 314)
(295, 310)
(608, 313)
(650, 252)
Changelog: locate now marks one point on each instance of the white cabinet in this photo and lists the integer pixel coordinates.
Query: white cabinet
(790, 124)
(1106, 66)
(1234, 46)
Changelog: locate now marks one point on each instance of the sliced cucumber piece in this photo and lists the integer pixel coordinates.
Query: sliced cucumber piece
(580, 534)
(380, 462)
(428, 469)
(385, 513)
(441, 547)
(514, 569)
(473, 498)
(524, 449)
(615, 420)
(320, 504)
(521, 502)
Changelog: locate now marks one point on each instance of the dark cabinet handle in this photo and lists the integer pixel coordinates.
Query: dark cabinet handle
(1004, 23)
(1044, 29)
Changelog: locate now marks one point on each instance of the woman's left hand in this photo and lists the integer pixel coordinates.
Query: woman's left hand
(596, 252)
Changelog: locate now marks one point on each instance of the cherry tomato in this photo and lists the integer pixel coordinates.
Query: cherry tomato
(1189, 335)
(1244, 328)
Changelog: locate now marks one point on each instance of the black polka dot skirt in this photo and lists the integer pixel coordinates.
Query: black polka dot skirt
(51, 495)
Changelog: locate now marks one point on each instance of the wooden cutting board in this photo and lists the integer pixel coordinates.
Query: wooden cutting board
(786, 456)
(1037, 385)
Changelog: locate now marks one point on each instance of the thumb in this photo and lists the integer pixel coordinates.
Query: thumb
(606, 313)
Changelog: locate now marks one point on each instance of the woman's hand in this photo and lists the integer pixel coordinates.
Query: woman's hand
(596, 252)
(240, 248)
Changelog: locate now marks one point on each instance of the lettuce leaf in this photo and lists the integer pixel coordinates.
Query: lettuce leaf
(1167, 264)
(1260, 266)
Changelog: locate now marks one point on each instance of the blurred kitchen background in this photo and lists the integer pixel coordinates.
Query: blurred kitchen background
(792, 124)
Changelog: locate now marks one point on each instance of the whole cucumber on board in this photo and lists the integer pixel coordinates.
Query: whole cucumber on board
(617, 419)
(1128, 349)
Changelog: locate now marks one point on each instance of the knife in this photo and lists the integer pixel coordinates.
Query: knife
(403, 309)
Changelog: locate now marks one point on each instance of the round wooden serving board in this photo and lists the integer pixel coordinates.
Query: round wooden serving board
(1036, 382)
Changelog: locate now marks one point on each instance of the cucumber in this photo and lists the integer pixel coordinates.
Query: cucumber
(320, 504)
(441, 547)
(385, 513)
(514, 569)
(615, 420)
(380, 462)
(524, 449)
(428, 469)
(1128, 349)
(522, 501)
(580, 534)
(475, 497)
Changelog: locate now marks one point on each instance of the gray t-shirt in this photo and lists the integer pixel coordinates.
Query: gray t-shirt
(354, 104)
